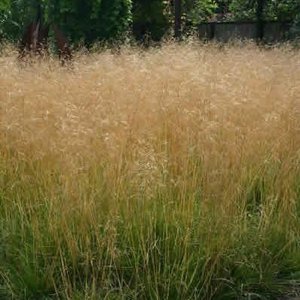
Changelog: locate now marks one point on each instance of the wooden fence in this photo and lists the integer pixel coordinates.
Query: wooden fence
(272, 31)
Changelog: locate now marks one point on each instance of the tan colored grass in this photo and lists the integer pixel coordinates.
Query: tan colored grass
(183, 124)
(231, 106)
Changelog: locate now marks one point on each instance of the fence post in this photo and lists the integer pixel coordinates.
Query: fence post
(212, 30)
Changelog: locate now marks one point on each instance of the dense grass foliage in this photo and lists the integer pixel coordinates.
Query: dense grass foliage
(171, 173)
(81, 21)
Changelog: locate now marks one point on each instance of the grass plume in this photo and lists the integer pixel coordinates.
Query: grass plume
(171, 173)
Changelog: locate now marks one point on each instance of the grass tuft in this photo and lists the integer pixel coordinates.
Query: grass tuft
(171, 173)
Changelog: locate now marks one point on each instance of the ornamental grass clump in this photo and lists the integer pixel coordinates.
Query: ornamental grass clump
(171, 173)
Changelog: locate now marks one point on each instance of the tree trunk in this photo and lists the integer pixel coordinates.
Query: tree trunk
(260, 20)
(177, 23)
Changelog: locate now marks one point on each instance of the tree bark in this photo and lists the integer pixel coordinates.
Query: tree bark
(177, 23)
(260, 19)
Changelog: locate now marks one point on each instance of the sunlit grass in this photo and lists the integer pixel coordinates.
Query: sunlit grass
(171, 173)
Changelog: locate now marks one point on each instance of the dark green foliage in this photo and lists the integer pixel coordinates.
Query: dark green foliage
(199, 10)
(273, 10)
(109, 20)
(283, 9)
(91, 21)
(86, 21)
(295, 30)
(14, 15)
(149, 19)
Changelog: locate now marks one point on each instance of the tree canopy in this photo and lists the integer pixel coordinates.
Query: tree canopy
(98, 20)
(282, 10)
